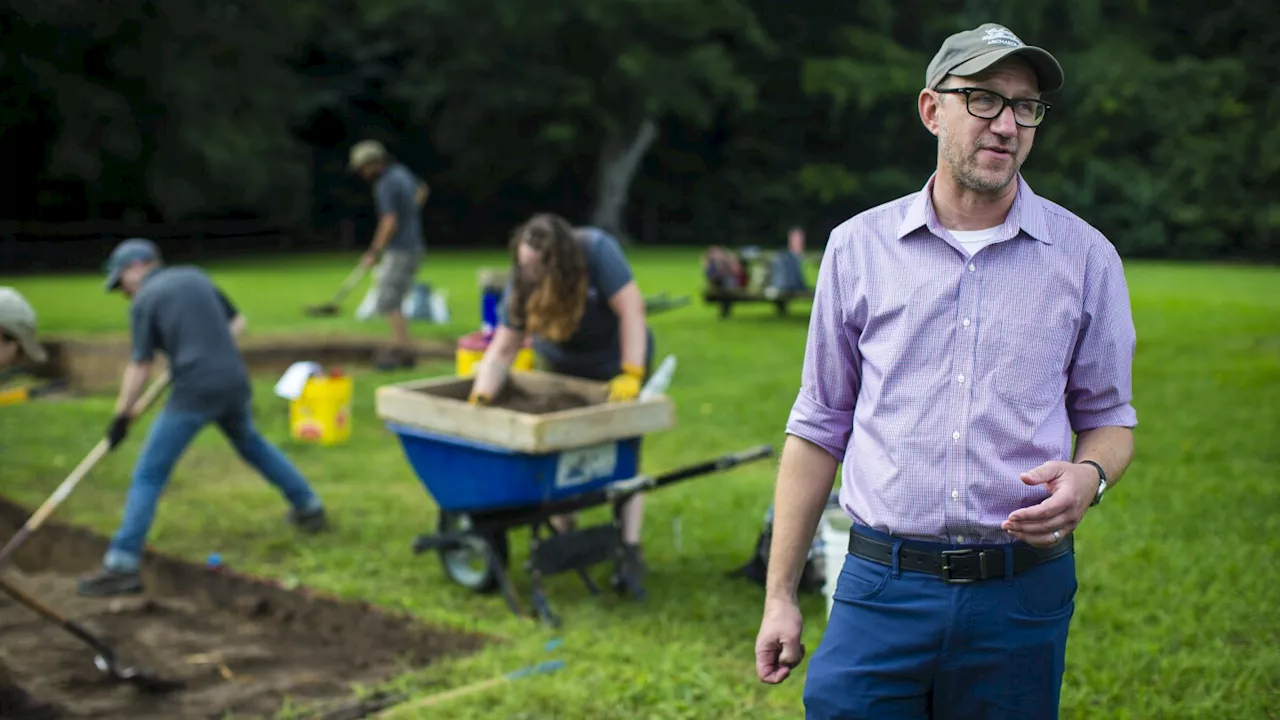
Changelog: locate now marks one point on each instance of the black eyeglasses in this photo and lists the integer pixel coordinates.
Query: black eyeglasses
(988, 105)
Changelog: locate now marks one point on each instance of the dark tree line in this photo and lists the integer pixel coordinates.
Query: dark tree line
(723, 121)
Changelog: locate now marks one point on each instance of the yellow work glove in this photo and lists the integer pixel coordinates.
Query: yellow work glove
(627, 385)
(477, 399)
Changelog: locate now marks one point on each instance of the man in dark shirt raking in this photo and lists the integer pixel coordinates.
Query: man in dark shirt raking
(178, 311)
(398, 197)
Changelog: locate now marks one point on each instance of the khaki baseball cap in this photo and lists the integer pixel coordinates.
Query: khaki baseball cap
(364, 152)
(972, 51)
(18, 320)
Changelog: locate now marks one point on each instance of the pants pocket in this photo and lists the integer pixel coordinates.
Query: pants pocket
(1049, 589)
(860, 579)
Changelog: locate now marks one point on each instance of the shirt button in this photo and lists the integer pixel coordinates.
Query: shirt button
(960, 539)
(966, 322)
(960, 379)
(955, 494)
(972, 267)
(955, 435)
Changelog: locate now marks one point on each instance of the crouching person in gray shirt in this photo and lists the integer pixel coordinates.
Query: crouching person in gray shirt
(178, 311)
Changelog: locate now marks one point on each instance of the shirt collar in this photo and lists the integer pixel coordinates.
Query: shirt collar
(150, 274)
(1025, 215)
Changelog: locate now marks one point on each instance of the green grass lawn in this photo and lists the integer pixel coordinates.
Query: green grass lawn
(1177, 614)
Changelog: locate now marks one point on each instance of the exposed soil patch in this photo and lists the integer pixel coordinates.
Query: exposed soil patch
(95, 365)
(243, 645)
(523, 401)
(518, 398)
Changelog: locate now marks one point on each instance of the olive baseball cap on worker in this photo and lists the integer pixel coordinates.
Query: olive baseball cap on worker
(18, 320)
(972, 51)
(364, 152)
(126, 253)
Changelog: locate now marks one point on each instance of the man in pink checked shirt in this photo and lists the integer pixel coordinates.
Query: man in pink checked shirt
(959, 337)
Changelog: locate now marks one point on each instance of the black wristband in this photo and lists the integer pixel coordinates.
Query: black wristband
(1102, 474)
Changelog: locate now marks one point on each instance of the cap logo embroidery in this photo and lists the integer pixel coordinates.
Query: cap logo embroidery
(1001, 36)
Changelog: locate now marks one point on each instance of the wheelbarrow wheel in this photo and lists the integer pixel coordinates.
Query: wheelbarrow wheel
(471, 566)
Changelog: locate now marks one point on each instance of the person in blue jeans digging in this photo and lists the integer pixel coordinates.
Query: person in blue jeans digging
(179, 311)
(574, 291)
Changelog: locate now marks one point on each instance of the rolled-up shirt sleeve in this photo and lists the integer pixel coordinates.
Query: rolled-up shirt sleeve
(823, 410)
(1099, 388)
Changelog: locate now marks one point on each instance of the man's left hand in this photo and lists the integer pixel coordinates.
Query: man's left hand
(626, 386)
(118, 430)
(1072, 487)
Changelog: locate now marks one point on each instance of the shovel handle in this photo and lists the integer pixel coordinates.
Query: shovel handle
(353, 278)
(101, 449)
(57, 618)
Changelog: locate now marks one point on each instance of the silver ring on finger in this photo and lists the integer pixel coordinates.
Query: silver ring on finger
(1057, 536)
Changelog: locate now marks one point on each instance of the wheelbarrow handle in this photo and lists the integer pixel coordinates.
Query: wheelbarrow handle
(641, 483)
(614, 492)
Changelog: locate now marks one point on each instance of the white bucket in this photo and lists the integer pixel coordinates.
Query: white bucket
(834, 532)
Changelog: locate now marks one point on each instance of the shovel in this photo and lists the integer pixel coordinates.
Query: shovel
(106, 658)
(331, 308)
(37, 519)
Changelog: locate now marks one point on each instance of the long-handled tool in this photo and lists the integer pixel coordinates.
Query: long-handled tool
(331, 308)
(106, 658)
(441, 697)
(37, 519)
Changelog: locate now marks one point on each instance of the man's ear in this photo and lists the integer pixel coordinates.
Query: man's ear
(928, 105)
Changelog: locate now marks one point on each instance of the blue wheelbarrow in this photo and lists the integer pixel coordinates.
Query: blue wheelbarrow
(492, 470)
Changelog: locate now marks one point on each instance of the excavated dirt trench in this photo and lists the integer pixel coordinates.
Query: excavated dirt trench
(95, 365)
(242, 644)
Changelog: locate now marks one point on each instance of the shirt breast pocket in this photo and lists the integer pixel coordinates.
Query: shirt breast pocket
(1032, 362)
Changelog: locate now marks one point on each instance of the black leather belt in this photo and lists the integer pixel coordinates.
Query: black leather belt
(957, 566)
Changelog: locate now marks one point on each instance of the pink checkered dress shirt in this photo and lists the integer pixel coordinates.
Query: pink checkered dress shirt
(937, 378)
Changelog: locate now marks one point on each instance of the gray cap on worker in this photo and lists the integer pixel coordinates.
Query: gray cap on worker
(972, 51)
(127, 253)
(18, 321)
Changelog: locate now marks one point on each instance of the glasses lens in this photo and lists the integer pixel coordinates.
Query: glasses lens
(984, 104)
(987, 106)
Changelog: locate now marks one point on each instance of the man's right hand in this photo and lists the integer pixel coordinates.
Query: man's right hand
(778, 646)
(478, 399)
(117, 431)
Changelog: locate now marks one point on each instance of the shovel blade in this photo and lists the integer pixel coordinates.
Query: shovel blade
(322, 310)
(141, 679)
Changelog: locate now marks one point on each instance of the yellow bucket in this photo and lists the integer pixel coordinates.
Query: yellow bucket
(322, 413)
(471, 350)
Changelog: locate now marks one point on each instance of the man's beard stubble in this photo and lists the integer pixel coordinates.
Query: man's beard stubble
(964, 165)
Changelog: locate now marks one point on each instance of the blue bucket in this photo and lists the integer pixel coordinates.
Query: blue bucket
(489, 301)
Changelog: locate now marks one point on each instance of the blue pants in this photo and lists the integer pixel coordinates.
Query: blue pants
(169, 437)
(903, 644)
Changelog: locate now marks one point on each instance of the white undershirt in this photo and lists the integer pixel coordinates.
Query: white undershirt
(975, 240)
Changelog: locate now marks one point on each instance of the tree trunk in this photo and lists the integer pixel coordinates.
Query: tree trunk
(619, 160)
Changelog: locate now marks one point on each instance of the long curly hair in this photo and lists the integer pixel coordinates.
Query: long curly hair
(551, 302)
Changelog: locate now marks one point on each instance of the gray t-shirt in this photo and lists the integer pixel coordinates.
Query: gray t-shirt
(594, 351)
(394, 192)
(180, 312)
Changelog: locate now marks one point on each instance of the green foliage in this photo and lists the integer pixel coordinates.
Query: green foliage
(190, 104)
